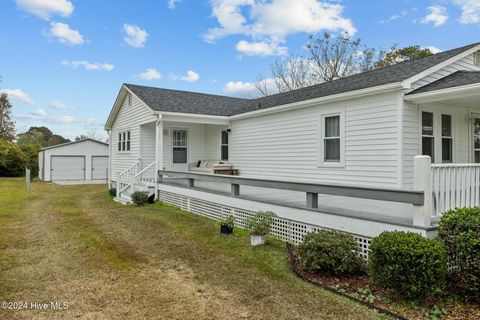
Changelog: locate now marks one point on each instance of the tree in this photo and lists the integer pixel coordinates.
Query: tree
(396, 55)
(7, 125)
(329, 58)
(92, 134)
(12, 159)
(42, 136)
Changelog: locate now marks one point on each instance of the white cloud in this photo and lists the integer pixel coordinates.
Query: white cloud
(470, 11)
(65, 34)
(433, 49)
(241, 89)
(58, 105)
(172, 3)
(191, 76)
(75, 64)
(134, 35)
(18, 94)
(39, 112)
(150, 74)
(64, 119)
(272, 21)
(261, 48)
(438, 16)
(46, 8)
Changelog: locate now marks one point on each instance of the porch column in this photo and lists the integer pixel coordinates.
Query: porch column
(422, 171)
(158, 150)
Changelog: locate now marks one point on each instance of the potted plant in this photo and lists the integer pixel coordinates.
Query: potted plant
(259, 225)
(227, 224)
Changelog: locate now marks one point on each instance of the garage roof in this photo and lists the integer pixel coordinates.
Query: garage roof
(72, 142)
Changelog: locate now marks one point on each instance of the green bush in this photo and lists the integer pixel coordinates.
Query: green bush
(260, 223)
(409, 263)
(112, 192)
(139, 198)
(459, 230)
(31, 157)
(12, 160)
(330, 251)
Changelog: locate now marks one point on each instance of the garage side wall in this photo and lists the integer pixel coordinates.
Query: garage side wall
(86, 148)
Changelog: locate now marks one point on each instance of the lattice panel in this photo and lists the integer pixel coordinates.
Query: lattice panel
(284, 229)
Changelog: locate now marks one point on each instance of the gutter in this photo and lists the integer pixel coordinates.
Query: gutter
(441, 94)
(322, 100)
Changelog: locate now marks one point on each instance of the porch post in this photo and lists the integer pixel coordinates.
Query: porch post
(158, 150)
(422, 171)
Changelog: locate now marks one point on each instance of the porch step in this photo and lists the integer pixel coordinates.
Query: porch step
(123, 199)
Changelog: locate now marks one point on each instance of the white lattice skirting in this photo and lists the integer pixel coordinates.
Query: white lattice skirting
(284, 229)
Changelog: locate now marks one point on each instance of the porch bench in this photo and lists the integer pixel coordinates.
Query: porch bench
(209, 166)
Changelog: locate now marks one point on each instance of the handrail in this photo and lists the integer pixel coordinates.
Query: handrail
(455, 165)
(145, 169)
(312, 189)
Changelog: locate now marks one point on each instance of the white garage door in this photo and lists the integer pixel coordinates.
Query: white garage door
(99, 167)
(68, 168)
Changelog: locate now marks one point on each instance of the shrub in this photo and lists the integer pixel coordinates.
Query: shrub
(31, 157)
(12, 160)
(139, 198)
(260, 223)
(112, 192)
(459, 230)
(409, 263)
(228, 221)
(330, 251)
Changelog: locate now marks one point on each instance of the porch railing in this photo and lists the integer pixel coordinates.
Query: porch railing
(146, 177)
(455, 186)
(125, 178)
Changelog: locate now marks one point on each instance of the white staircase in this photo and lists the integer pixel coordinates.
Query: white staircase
(135, 178)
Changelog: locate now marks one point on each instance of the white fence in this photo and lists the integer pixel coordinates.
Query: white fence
(455, 186)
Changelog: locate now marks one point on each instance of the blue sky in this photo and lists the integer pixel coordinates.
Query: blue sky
(63, 61)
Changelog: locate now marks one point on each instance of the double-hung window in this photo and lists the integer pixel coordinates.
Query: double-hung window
(447, 139)
(428, 138)
(124, 141)
(224, 145)
(331, 139)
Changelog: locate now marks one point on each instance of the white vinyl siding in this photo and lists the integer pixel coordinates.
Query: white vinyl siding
(465, 63)
(411, 141)
(129, 118)
(286, 145)
(147, 143)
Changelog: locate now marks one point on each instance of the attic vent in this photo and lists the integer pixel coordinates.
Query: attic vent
(476, 57)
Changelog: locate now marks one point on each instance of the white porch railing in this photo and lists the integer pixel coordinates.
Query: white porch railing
(455, 186)
(125, 178)
(146, 177)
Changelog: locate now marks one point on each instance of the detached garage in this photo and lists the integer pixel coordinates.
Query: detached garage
(79, 160)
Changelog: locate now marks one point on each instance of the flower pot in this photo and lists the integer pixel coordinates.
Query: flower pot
(226, 229)
(256, 240)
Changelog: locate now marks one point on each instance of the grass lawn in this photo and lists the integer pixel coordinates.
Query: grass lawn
(108, 261)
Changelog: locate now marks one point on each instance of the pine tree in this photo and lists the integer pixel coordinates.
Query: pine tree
(7, 125)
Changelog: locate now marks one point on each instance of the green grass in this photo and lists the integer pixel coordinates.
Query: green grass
(72, 243)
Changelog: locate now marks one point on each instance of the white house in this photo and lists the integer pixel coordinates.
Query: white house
(361, 131)
(78, 160)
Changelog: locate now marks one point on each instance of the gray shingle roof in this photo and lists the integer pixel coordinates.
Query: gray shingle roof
(208, 104)
(456, 79)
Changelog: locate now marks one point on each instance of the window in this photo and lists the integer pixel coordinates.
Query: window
(224, 145)
(124, 141)
(447, 139)
(331, 139)
(428, 140)
(179, 144)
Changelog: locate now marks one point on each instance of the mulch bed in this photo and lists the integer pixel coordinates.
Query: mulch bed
(386, 301)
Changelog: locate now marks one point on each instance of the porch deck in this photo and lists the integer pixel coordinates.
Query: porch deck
(365, 209)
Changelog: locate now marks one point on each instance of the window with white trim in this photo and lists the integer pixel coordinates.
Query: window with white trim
(224, 145)
(331, 139)
(447, 139)
(124, 141)
(428, 139)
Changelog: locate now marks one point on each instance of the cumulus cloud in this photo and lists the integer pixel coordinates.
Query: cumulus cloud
(150, 74)
(41, 115)
(241, 89)
(172, 4)
(270, 22)
(90, 66)
(470, 11)
(44, 9)
(39, 112)
(261, 48)
(134, 36)
(58, 105)
(65, 34)
(191, 76)
(438, 16)
(19, 95)
(433, 49)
